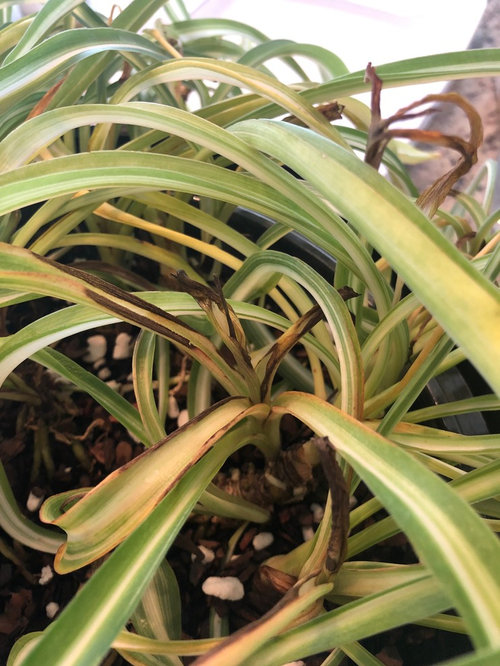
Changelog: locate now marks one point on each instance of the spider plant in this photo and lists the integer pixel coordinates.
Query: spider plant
(99, 150)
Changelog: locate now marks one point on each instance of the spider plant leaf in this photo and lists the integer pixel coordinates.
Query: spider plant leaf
(35, 337)
(332, 234)
(400, 232)
(22, 647)
(354, 621)
(216, 27)
(48, 277)
(12, 33)
(218, 502)
(19, 527)
(85, 629)
(142, 371)
(376, 613)
(235, 74)
(158, 614)
(443, 443)
(168, 259)
(85, 73)
(113, 402)
(128, 640)
(113, 509)
(279, 48)
(329, 64)
(446, 533)
(242, 645)
(286, 201)
(227, 326)
(362, 579)
(56, 54)
(423, 69)
(70, 174)
(283, 345)
(474, 487)
(261, 265)
(478, 403)
(360, 655)
(43, 22)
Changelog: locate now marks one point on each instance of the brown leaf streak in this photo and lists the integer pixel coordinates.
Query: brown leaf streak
(379, 136)
(376, 143)
(110, 300)
(224, 307)
(337, 546)
(141, 320)
(330, 111)
(207, 298)
(42, 104)
(286, 341)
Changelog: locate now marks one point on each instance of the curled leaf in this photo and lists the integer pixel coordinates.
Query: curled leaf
(380, 134)
(108, 513)
(227, 325)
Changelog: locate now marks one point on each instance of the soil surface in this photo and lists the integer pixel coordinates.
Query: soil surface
(84, 444)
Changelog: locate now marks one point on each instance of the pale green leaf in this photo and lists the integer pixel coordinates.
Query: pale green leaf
(459, 551)
(400, 232)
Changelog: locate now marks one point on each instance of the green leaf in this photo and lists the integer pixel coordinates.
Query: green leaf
(26, 269)
(424, 69)
(19, 527)
(354, 621)
(400, 232)
(158, 614)
(142, 368)
(44, 20)
(217, 502)
(243, 645)
(260, 266)
(446, 533)
(235, 74)
(49, 59)
(113, 509)
(84, 631)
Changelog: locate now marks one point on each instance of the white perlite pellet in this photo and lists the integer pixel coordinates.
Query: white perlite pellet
(317, 511)
(122, 348)
(224, 587)
(173, 407)
(262, 540)
(33, 502)
(99, 363)
(208, 555)
(46, 575)
(183, 418)
(51, 609)
(307, 533)
(112, 383)
(104, 373)
(96, 348)
(56, 377)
